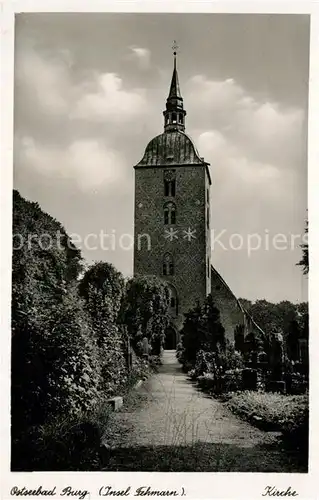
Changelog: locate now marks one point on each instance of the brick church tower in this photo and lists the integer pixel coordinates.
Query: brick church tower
(171, 219)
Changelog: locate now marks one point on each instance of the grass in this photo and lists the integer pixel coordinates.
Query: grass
(201, 457)
(276, 412)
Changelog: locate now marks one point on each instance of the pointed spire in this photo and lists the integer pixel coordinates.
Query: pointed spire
(174, 90)
(174, 113)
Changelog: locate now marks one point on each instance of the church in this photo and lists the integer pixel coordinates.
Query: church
(172, 209)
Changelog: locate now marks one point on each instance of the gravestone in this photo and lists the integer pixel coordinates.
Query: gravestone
(276, 384)
(250, 379)
(145, 347)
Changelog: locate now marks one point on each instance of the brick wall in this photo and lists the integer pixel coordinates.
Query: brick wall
(190, 257)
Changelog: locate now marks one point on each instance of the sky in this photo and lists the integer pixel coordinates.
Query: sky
(89, 94)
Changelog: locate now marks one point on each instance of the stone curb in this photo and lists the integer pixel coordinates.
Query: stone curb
(116, 402)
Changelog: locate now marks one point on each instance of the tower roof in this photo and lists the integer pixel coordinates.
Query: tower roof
(174, 113)
(174, 90)
(171, 148)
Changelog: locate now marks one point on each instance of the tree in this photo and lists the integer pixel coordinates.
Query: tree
(102, 288)
(191, 341)
(54, 363)
(304, 262)
(290, 319)
(292, 346)
(211, 328)
(145, 311)
(202, 331)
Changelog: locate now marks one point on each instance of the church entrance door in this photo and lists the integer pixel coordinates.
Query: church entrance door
(170, 338)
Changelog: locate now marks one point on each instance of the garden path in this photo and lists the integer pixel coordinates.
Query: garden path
(175, 415)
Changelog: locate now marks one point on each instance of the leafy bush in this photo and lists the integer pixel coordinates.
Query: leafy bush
(155, 361)
(102, 288)
(202, 332)
(145, 311)
(67, 353)
(219, 371)
(63, 443)
(54, 357)
(233, 380)
(180, 354)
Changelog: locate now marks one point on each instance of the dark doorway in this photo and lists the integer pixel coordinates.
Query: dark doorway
(170, 339)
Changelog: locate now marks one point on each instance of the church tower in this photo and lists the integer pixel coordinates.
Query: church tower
(171, 219)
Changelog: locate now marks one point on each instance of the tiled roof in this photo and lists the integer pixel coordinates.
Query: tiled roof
(246, 313)
(171, 148)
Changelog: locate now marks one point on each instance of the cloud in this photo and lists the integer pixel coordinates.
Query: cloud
(66, 129)
(103, 98)
(45, 79)
(48, 82)
(88, 163)
(141, 55)
(264, 130)
(255, 148)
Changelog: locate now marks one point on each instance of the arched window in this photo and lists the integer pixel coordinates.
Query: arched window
(169, 213)
(180, 118)
(168, 265)
(174, 118)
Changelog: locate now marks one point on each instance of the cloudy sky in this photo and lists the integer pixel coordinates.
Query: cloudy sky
(89, 94)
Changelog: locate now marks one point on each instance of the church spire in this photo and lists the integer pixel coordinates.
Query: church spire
(174, 114)
(174, 90)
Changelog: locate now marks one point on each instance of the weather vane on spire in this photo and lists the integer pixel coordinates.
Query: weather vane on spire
(175, 47)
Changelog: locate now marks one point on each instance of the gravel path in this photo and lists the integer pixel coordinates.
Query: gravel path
(174, 415)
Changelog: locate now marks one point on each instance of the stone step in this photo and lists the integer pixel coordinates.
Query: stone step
(116, 403)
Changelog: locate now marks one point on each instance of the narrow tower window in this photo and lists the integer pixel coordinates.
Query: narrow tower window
(169, 188)
(168, 265)
(174, 118)
(169, 213)
(207, 217)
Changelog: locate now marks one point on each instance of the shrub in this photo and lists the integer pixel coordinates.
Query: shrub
(66, 352)
(233, 380)
(145, 311)
(219, 371)
(202, 331)
(180, 352)
(63, 443)
(102, 288)
(54, 357)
